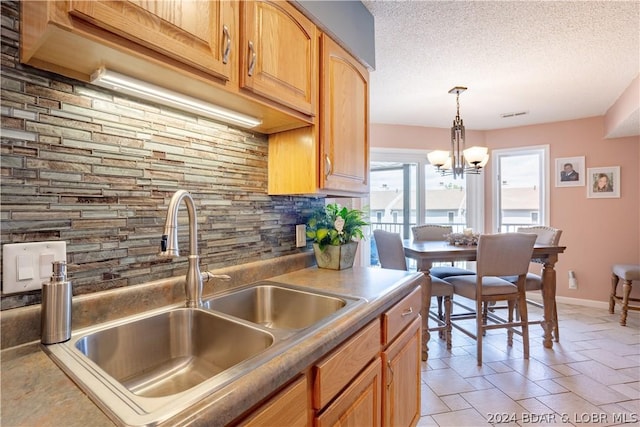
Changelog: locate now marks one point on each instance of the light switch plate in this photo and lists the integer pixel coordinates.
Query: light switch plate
(26, 265)
(301, 236)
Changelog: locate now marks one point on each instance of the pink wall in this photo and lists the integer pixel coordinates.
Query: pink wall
(596, 232)
(624, 109)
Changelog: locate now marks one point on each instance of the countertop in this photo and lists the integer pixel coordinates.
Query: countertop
(35, 392)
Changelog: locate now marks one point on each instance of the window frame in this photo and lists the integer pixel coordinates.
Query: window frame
(496, 155)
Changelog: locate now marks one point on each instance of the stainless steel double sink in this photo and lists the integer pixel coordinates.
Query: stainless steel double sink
(144, 369)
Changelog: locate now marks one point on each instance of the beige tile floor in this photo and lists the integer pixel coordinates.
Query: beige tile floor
(590, 378)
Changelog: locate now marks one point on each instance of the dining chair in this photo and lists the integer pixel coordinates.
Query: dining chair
(498, 255)
(435, 233)
(544, 236)
(391, 255)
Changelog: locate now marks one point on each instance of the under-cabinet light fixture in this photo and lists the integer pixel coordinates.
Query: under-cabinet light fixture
(125, 84)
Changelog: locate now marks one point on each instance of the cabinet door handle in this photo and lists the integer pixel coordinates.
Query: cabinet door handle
(407, 312)
(390, 373)
(328, 166)
(252, 60)
(227, 44)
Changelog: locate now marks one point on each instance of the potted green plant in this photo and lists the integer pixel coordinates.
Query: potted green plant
(336, 231)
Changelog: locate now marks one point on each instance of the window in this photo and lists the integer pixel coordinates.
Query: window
(393, 195)
(445, 199)
(406, 190)
(521, 187)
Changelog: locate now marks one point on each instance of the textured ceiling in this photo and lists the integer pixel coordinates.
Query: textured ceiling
(555, 60)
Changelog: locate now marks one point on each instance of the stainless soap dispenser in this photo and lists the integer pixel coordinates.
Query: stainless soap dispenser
(56, 306)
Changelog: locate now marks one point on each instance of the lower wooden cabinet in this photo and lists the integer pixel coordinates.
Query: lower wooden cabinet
(290, 407)
(401, 378)
(372, 379)
(358, 404)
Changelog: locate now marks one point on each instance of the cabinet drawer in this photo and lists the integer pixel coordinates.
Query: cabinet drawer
(399, 316)
(338, 369)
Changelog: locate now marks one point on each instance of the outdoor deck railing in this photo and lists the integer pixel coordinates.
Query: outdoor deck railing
(458, 227)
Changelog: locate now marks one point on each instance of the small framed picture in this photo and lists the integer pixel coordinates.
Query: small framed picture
(603, 182)
(570, 171)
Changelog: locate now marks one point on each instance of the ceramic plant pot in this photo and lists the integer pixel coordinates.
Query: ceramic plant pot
(336, 257)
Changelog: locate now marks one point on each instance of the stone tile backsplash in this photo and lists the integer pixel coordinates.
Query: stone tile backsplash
(97, 169)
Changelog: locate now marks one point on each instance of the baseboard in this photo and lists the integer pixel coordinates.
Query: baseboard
(573, 301)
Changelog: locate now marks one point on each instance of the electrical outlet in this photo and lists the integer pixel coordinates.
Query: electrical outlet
(573, 282)
(301, 236)
(26, 265)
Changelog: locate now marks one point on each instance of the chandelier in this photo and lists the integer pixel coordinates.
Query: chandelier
(459, 160)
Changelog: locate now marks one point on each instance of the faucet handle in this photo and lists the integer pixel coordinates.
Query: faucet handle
(207, 276)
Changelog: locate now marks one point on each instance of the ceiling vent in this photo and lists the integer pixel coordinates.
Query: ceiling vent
(519, 113)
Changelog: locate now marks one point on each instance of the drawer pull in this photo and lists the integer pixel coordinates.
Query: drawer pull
(407, 312)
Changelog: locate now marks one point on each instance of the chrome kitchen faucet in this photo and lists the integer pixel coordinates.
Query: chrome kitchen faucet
(169, 245)
(169, 248)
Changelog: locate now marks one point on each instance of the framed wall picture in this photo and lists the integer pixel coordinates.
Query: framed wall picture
(570, 171)
(603, 182)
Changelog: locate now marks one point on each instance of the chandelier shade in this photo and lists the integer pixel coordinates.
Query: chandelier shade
(459, 160)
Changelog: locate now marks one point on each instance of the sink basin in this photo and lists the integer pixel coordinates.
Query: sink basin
(276, 306)
(145, 369)
(172, 351)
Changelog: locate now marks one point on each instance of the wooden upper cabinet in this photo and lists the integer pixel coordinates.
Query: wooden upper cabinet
(344, 130)
(332, 157)
(197, 33)
(278, 54)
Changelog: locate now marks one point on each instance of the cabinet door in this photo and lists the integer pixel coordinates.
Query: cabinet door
(357, 405)
(197, 33)
(279, 54)
(344, 120)
(290, 407)
(401, 379)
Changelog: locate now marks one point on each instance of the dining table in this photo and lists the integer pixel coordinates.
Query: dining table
(425, 253)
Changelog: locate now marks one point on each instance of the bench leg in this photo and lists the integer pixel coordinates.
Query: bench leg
(612, 295)
(626, 290)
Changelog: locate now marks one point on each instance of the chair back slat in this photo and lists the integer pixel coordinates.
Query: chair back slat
(431, 232)
(545, 235)
(390, 250)
(506, 254)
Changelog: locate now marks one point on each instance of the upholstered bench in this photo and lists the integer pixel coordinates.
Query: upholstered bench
(628, 273)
